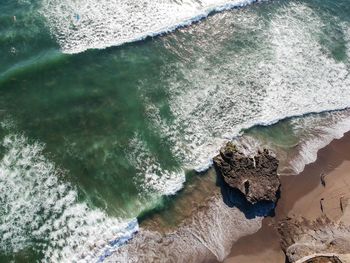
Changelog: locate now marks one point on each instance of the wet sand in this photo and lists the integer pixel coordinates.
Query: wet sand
(262, 247)
(302, 195)
(184, 205)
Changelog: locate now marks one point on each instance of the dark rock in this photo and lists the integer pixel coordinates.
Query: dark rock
(256, 177)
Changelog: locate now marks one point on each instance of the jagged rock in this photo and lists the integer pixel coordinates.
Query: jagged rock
(301, 238)
(256, 177)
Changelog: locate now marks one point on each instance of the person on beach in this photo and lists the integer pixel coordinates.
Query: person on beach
(323, 181)
(321, 204)
(341, 204)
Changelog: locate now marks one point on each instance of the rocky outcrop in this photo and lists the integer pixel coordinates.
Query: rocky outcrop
(256, 177)
(322, 259)
(301, 238)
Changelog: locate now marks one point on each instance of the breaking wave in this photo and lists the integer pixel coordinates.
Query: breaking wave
(297, 140)
(288, 74)
(40, 211)
(318, 131)
(152, 178)
(81, 25)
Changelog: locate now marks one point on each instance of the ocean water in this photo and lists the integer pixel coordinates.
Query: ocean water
(108, 106)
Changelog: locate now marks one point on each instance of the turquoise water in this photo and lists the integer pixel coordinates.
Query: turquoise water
(111, 130)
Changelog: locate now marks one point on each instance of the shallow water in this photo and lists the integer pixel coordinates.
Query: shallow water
(113, 130)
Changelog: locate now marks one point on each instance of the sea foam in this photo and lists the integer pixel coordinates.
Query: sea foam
(151, 177)
(287, 73)
(302, 138)
(208, 234)
(41, 211)
(80, 25)
(318, 131)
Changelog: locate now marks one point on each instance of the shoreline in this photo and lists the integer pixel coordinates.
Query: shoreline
(300, 196)
(198, 218)
(205, 179)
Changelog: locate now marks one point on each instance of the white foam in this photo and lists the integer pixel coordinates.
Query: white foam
(346, 30)
(287, 74)
(151, 177)
(40, 210)
(317, 133)
(79, 25)
(209, 234)
(306, 134)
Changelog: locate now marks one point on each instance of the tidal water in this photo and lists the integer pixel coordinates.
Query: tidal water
(108, 106)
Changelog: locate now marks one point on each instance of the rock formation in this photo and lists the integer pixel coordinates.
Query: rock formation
(256, 177)
(314, 241)
(321, 259)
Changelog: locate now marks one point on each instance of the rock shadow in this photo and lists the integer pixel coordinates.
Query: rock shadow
(234, 198)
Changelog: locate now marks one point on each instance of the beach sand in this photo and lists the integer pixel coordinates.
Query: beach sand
(303, 195)
(262, 247)
(190, 211)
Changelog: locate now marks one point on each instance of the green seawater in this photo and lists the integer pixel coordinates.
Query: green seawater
(124, 125)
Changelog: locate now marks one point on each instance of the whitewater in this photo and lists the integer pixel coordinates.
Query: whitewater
(287, 74)
(81, 25)
(38, 206)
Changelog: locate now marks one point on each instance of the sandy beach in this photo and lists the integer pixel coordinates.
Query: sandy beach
(323, 188)
(198, 223)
